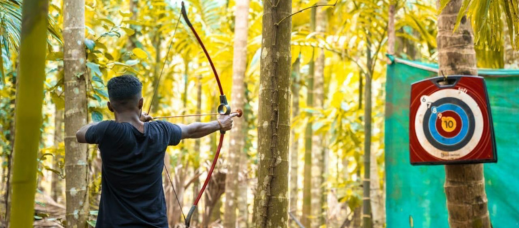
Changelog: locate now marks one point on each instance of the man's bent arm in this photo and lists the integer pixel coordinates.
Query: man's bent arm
(198, 130)
(81, 133)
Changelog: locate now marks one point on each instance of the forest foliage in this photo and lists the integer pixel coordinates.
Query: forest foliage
(145, 38)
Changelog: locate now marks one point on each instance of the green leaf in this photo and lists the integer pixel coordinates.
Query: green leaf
(102, 93)
(97, 97)
(92, 223)
(125, 13)
(90, 31)
(57, 100)
(108, 22)
(128, 31)
(97, 116)
(94, 68)
(90, 44)
(317, 125)
(97, 79)
(55, 56)
(139, 53)
(132, 62)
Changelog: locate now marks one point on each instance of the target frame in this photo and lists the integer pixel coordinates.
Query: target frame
(465, 96)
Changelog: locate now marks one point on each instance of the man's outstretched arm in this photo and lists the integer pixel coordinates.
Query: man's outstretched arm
(81, 133)
(199, 130)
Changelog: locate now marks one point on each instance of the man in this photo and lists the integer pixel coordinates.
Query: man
(132, 150)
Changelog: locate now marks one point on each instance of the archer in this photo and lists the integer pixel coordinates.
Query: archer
(132, 150)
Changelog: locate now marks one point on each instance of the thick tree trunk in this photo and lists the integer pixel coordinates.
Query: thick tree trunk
(308, 169)
(464, 184)
(271, 202)
(76, 161)
(237, 140)
(294, 149)
(317, 139)
(56, 187)
(28, 114)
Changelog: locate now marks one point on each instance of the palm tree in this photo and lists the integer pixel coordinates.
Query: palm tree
(237, 141)
(464, 184)
(486, 18)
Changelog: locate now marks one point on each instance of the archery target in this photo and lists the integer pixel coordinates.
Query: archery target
(448, 124)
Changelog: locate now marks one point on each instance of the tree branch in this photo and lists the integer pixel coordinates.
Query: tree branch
(314, 6)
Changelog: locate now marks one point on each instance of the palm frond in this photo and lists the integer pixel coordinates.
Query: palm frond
(488, 19)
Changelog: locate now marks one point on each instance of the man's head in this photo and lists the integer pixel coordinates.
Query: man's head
(124, 93)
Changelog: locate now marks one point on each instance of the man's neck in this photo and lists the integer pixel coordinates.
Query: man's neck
(130, 117)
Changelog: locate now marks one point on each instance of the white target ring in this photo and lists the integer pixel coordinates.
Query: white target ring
(426, 102)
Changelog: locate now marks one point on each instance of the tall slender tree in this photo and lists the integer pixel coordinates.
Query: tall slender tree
(75, 112)
(366, 205)
(464, 184)
(28, 114)
(271, 200)
(317, 139)
(237, 141)
(196, 160)
(307, 184)
(58, 138)
(294, 149)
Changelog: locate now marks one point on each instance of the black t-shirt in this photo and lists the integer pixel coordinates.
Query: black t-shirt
(132, 194)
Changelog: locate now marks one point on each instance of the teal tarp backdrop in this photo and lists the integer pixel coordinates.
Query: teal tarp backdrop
(415, 193)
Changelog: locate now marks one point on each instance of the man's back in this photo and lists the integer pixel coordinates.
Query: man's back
(132, 194)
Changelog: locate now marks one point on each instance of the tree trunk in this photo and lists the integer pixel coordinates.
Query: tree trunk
(156, 73)
(243, 208)
(377, 204)
(28, 114)
(196, 162)
(294, 150)
(366, 206)
(308, 172)
(271, 202)
(75, 112)
(12, 130)
(391, 29)
(464, 184)
(56, 188)
(134, 10)
(237, 140)
(317, 139)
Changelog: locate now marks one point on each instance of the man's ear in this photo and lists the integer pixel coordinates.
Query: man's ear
(141, 103)
(110, 106)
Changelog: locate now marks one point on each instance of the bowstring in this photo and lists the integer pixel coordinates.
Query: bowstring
(151, 105)
(176, 195)
(156, 86)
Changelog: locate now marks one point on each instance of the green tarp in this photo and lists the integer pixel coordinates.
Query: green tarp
(415, 195)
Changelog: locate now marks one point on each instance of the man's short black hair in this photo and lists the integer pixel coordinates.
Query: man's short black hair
(123, 88)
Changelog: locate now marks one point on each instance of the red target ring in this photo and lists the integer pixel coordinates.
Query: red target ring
(449, 125)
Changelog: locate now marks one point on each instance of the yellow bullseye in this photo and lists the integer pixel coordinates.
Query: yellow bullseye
(448, 124)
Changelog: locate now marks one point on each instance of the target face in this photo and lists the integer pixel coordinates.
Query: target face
(449, 123)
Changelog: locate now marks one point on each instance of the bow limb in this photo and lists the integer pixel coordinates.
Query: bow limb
(223, 109)
(206, 182)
